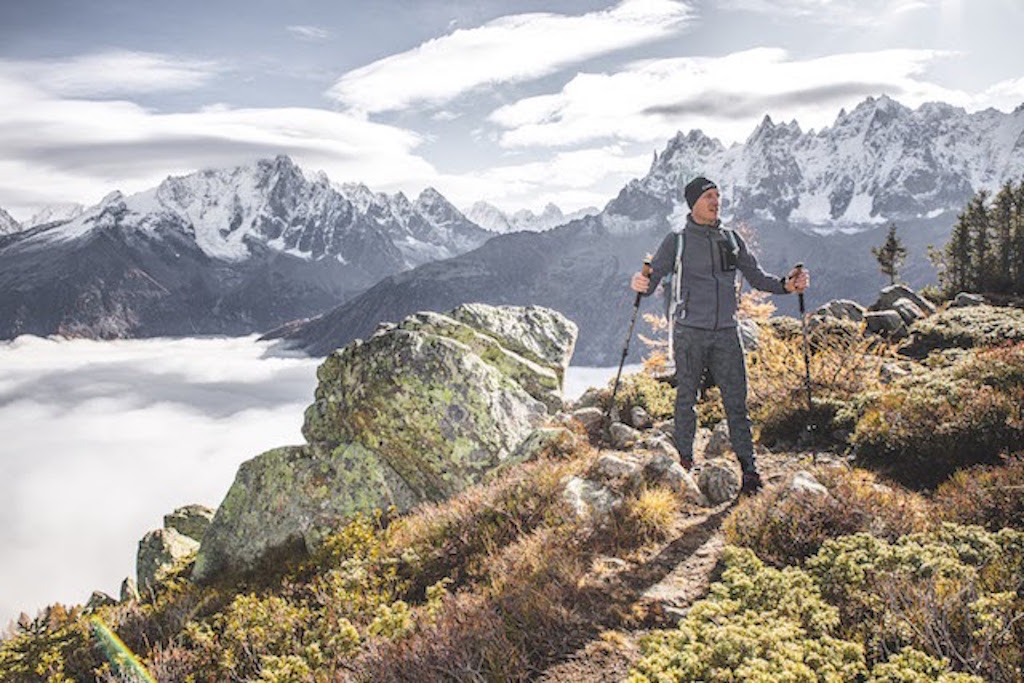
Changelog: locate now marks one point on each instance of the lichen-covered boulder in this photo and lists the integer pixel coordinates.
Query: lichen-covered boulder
(718, 482)
(290, 497)
(160, 552)
(432, 408)
(843, 309)
(886, 323)
(540, 334)
(908, 310)
(416, 413)
(890, 295)
(190, 520)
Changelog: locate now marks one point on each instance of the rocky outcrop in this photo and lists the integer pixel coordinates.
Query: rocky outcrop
(160, 553)
(190, 520)
(415, 413)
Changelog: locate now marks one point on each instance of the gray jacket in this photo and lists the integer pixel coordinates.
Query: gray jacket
(708, 289)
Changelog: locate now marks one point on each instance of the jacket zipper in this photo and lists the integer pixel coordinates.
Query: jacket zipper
(714, 278)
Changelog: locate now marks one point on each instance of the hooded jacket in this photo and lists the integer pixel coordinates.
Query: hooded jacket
(707, 298)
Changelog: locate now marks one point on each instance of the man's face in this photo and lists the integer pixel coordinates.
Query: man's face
(705, 209)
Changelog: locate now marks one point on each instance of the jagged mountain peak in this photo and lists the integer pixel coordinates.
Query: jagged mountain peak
(8, 225)
(880, 161)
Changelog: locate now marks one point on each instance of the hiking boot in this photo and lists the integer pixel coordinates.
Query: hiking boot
(687, 464)
(751, 483)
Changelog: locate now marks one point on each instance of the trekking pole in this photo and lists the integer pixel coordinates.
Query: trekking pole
(646, 270)
(807, 359)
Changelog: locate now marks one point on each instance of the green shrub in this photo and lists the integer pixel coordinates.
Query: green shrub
(950, 593)
(920, 436)
(56, 647)
(991, 497)
(758, 624)
(964, 328)
(913, 666)
(643, 390)
(784, 528)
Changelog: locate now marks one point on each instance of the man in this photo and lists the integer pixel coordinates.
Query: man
(706, 334)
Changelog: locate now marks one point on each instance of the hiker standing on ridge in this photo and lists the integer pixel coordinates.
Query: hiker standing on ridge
(703, 315)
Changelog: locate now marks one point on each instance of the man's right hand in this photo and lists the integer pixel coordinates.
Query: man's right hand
(640, 283)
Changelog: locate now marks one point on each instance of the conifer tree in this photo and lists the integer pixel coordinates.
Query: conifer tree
(981, 272)
(890, 255)
(954, 260)
(1002, 224)
(1017, 235)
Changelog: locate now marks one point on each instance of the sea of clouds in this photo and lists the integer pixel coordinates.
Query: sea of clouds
(98, 440)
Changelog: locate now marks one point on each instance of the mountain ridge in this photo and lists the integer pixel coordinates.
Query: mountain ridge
(772, 186)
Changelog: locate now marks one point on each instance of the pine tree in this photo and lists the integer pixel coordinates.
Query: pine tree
(1002, 224)
(981, 274)
(890, 255)
(954, 260)
(1017, 236)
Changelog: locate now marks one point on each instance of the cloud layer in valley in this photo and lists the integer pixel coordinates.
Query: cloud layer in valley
(101, 439)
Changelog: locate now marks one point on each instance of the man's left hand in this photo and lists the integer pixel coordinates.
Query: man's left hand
(798, 280)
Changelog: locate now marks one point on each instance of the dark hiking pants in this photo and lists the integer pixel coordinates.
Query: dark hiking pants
(721, 352)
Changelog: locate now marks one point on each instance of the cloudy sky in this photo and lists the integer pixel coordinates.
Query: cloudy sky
(518, 103)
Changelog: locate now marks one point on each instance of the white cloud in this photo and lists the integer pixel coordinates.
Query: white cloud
(310, 33)
(725, 97)
(510, 49)
(1005, 95)
(101, 439)
(859, 13)
(111, 73)
(78, 150)
(572, 180)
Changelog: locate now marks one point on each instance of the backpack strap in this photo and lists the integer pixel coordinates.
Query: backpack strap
(676, 293)
(730, 235)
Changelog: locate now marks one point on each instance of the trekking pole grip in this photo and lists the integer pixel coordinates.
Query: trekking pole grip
(800, 295)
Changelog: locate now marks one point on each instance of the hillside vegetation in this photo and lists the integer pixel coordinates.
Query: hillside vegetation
(910, 568)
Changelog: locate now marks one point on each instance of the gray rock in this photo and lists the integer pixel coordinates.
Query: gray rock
(889, 295)
(890, 372)
(804, 483)
(129, 590)
(292, 497)
(718, 482)
(660, 444)
(591, 418)
(886, 323)
(591, 398)
(662, 469)
(538, 333)
(542, 438)
(908, 310)
(965, 299)
(98, 599)
(718, 444)
(639, 419)
(613, 467)
(160, 553)
(590, 501)
(842, 309)
(623, 436)
(190, 520)
(413, 414)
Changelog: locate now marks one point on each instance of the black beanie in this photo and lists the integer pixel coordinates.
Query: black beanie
(695, 188)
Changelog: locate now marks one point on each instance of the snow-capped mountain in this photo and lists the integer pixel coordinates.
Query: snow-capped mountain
(234, 213)
(822, 198)
(492, 218)
(8, 226)
(55, 213)
(880, 162)
(218, 251)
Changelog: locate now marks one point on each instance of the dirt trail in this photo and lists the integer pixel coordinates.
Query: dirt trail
(657, 590)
